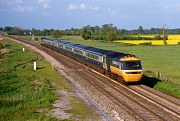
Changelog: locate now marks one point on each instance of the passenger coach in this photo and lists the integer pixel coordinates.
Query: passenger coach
(120, 66)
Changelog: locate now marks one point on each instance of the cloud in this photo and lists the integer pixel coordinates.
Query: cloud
(94, 8)
(45, 3)
(81, 6)
(20, 8)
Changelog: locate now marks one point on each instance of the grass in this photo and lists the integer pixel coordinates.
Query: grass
(30, 37)
(26, 94)
(21, 98)
(79, 109)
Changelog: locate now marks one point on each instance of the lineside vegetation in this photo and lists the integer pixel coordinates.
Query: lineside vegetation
(26, 94)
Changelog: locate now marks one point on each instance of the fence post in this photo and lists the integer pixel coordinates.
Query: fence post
(34, 66)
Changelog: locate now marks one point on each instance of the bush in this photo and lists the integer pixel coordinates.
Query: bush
(178, 43)
(36, 39)
(1, 46)
(146, 43)
(158, 37)
(164, 42)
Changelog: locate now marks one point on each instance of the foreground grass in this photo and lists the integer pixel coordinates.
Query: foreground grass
(26, 94)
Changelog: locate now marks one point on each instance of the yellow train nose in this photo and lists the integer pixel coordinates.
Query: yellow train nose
(133, 76)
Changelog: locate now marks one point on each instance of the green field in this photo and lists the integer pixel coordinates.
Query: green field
(163, 59)
(26, 94)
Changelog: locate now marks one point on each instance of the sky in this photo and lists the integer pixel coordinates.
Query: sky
(65, 14)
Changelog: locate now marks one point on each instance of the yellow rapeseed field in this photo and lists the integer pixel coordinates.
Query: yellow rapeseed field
(172, 40)
(173, 37)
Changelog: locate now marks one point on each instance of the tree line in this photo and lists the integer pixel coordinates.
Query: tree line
(105, 32)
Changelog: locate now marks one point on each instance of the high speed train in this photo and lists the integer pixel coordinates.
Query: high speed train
(120, 66)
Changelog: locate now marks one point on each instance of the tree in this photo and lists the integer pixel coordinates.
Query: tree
(86, 34)
(56, 34)
(46, 32)
(17, 31)
(34, 31)
(8, 29)
(140, 29)
(106, 28)
(111, 35)
(1, 29)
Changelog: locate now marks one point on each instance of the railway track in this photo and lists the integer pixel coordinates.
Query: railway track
(164, 102)
(133, 102)
(161, 110)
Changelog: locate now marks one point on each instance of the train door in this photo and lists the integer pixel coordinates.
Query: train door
(104, 63)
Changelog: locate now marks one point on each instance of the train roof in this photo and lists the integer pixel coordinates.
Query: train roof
(117, 56)
(69, 44)
(126, 57)
(112, 54)
(44, 38)
(62, 42)
(81, 47)
(55, 40)
(97, 51)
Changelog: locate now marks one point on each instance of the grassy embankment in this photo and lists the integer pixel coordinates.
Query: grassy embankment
(26, 94)
(161, 59)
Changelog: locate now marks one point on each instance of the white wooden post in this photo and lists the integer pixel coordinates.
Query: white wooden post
(33, 37)
(23, 49)
(34, 66)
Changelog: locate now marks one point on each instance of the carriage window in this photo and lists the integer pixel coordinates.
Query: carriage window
(78, 51)
(60, 45)
(68, 48)
(87, 54)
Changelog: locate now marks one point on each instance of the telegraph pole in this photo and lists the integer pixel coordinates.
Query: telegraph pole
(164, 31)
(164, 34)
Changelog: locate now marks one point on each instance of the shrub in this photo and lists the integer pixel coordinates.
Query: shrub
(164, 42)
(158, 37)
(146, 43)
(36, 39)
(178, 43)
(1, 46)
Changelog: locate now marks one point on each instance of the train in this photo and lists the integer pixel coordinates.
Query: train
(123, 67)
